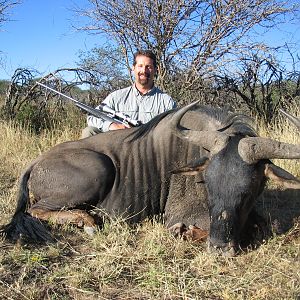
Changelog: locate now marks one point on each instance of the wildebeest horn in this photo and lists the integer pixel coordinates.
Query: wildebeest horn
(252, 149)
(293, 119)
(213, 141)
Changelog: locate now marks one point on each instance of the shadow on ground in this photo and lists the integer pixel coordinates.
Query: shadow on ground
(280, 208)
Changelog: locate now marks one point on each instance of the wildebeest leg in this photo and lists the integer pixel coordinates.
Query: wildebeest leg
(64, 187)
(77, 217)
(178, 229)
(193, 232)
(256, 230)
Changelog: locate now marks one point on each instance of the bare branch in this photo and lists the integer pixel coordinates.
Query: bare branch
(5, 6)
(196, 35)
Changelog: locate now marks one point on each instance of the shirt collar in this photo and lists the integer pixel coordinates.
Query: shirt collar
(150, 92)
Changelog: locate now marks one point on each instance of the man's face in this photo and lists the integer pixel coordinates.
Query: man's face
(144, 71)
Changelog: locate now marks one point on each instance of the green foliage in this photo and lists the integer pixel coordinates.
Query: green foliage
(32, 118)
(37, 119)
(3, 86)
(108, 68)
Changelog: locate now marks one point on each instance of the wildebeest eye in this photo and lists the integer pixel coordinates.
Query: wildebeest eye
(200, 181)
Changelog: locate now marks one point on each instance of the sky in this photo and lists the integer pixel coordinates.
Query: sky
(40, 36)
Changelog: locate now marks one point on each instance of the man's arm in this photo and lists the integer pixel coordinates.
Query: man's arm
(98, 122)
(171, 105)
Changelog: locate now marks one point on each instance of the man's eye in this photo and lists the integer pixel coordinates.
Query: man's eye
(150, 67)
(147, 67)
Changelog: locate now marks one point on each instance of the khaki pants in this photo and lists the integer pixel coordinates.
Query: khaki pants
(89, 131)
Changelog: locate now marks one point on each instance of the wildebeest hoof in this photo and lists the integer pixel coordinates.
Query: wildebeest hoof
(178, 229)
(225, 249)
(89, 230)
(195, 233)
(228, 252)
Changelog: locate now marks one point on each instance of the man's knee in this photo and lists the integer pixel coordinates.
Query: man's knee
(89, 131)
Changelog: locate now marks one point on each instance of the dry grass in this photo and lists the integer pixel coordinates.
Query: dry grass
(144, 262)
(284, 131)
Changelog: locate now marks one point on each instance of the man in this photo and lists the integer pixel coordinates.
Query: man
(142, 101)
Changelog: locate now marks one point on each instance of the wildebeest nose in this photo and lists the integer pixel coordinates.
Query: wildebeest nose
(217, 246)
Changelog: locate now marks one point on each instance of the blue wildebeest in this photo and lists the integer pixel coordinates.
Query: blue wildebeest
(141, 172)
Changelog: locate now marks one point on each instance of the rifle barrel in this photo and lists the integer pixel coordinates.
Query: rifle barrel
(95, 112)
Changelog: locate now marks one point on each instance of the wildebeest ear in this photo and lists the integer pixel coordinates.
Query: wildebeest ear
(281, 177)
(193, 168)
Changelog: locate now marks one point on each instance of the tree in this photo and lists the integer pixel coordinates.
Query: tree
(261, 83)
(5, 6)
(192, 38)
(38, 108)
(107, 67)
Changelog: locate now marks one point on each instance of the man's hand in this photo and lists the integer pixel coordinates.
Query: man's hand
(116, 126)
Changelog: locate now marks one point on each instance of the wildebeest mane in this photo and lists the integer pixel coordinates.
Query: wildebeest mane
(231, 123)
(239, 124)
(147, 127)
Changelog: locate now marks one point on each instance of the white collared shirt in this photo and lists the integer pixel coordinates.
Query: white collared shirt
(136, 106)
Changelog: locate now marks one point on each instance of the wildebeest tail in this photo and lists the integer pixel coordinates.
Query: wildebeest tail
(23, 225)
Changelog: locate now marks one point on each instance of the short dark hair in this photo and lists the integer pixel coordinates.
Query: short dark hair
(147, 53)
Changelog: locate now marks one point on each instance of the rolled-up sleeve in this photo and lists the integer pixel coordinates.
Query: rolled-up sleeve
(98, 122)
(171, 104)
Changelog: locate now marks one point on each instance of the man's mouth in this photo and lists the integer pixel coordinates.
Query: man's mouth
(144, 76)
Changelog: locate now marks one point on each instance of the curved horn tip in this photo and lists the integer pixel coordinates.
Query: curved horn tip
(181, 111)
(193, 103)
(293, 119)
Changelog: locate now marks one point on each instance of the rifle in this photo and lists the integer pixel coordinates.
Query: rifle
(106, 113)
